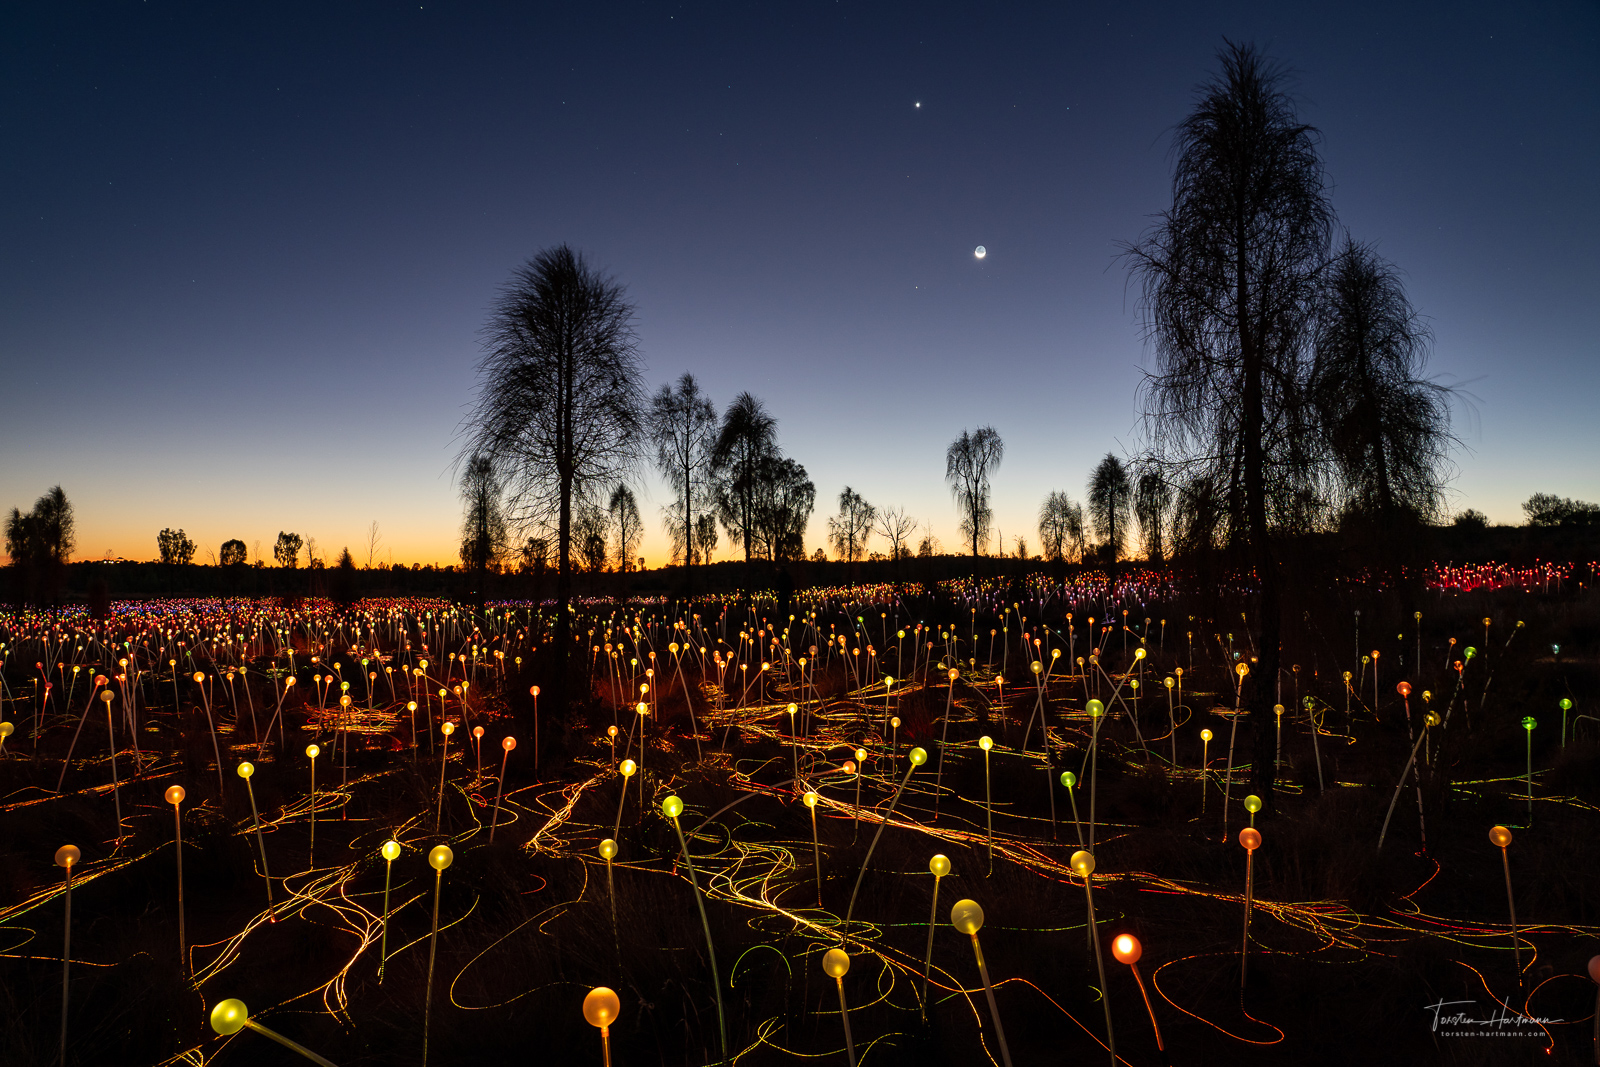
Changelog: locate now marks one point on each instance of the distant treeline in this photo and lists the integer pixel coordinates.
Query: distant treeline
(97, 583)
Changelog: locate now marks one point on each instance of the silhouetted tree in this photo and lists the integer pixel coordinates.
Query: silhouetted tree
(784, 499)
(560, 405)
(1152, 500)
(1110, 503)
(1388, 429)
(287, 549)
(896, 528)
(591, 539)
(1473, 519)
(849, 530)
(1547, 509)
(342, 585)
(175, 547)
(624, 510)
(746, 441)
(705, 536)
(1060, 527)
(1230, 276)
(233, 553)
(39, 543)
(968, 463)
(484, 536)
(683, 426)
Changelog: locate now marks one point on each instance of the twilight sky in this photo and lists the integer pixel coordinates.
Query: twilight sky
(250, 247)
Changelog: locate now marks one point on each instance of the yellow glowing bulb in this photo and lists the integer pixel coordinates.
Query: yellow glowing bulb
(918, 757)
(810, 798)
(967, 916)
(441, 857)
(246, 770)
(628, 767)
(939, 865)
(608, 849)
(835, 962)
(986, 743)
(1082, 862)
(229, 1016)
(313, 751)
(672, 807)
(1205, 735)
(390, 850)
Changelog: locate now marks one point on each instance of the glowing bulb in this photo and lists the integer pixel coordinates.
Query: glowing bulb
(601, 1007)
(835, 962)
(175, 794)
(313, 751)
(1252, 804)
(246, 770)
(672, 807)
(986, 743)
(1126, 948)
(918, 757)
(939, 866)
(390, 850)
(441, 857)
(1205, 735)
(229, 1016)
(967, 916)
(1250, 838)
(67, 856)
(608, 849)
(628, 767)
(1082, 863)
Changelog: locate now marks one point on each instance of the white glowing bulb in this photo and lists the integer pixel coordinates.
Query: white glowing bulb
(979, 252)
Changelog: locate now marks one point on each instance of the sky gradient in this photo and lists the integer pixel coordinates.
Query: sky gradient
(251, 248)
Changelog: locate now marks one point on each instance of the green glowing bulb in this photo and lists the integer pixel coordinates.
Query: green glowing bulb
(1069, 779)
(1095, 709)
(672, 807)
(1252, 804)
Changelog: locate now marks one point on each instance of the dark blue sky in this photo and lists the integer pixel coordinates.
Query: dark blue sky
(250, 247)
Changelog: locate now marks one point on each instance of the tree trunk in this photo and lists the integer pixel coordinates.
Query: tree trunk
(1264, 675)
